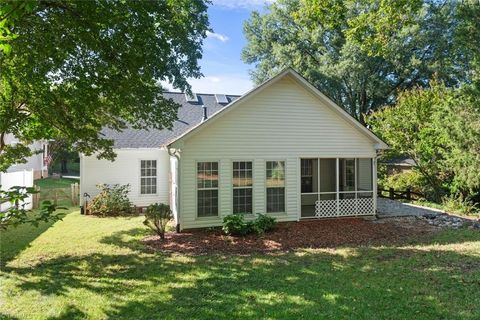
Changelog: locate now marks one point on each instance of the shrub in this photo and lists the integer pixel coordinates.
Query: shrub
(111, 201)
(263, 223)
(458, 204)
(157, 217)
(236, 225)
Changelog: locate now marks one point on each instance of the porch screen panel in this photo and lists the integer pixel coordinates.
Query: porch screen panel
(364, 174)
(328, 175)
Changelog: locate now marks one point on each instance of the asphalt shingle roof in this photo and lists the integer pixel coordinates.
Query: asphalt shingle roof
(189, 115)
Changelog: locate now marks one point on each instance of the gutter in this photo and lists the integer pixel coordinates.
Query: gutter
(176, 153)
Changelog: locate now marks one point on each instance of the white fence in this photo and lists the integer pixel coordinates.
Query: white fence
(19, 178)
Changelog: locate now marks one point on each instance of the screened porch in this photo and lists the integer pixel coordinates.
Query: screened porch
(337, 187)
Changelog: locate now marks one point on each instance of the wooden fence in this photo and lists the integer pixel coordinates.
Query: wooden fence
(69, 196)
(393, 194)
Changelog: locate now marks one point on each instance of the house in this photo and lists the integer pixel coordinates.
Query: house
(37, 162)
(283, 149)
(398, 164)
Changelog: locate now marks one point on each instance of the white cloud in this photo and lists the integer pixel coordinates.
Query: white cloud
(225, 83)
(218, 36)
(242, 4)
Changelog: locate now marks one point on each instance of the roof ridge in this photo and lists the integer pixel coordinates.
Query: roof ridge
(204, 94)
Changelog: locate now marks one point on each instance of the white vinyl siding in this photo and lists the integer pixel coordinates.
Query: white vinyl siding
(284, 121)
(126, 169)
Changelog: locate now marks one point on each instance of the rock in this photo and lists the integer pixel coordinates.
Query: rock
(430, 215)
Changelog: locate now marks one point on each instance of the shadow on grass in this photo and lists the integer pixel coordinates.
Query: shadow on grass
(16, 239)
(364, 283)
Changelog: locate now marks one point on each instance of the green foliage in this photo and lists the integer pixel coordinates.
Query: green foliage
(412, 180)
(104, 75)
(439, 128)
(263, 223)
(157, 217)
(111, 201)
(360, 53)
(17, 214)
(236, 225)
(458, 204)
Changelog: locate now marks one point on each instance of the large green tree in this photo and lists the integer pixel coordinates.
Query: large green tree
(71, 68)
(439, 128)
(360, 53)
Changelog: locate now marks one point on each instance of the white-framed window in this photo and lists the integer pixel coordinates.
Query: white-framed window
(242, 187)
(148, 176)
(207, 189)
(275, 184)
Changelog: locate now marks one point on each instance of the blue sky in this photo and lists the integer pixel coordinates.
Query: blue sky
(223, 69)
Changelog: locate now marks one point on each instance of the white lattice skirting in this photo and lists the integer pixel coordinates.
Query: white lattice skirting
(344, 207)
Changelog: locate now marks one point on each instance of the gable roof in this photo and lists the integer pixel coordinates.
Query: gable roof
(189, 115)
(305, 84)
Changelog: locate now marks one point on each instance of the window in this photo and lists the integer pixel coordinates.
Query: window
(275, 186)
(207, 189)
(242, 187)
(148, 176)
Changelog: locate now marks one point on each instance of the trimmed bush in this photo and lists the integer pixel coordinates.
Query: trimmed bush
(111, 201)
(157, 217)
(263, 223)
(236, 225)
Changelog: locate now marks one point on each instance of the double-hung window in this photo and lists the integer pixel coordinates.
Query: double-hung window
(207, 189)
(242, 187)
(275, 183)
(148, 176)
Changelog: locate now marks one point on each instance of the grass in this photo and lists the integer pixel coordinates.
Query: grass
(85, 267)
(51, 183)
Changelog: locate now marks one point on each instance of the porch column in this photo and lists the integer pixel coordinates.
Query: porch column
(374, 184)
(337, 169)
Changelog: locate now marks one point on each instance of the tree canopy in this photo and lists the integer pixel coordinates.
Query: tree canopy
(71, 68)
(361, 53)
(439, 128)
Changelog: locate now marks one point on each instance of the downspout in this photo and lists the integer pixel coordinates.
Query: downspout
(176, 153)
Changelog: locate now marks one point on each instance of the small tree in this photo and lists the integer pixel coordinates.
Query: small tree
(157, 217)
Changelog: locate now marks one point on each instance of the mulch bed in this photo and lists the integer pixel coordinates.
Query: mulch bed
(293, 235)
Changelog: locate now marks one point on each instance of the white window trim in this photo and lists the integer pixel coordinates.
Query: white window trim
(140, 178)
(284, 187)
(243, 187)
(197, 217)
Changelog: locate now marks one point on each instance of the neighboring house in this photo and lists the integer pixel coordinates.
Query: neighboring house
(283, 149)
(36, 162)
(399, 165)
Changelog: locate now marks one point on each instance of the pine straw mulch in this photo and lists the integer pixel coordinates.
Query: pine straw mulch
(329, 233)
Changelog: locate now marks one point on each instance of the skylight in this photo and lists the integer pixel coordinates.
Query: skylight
(191, 98)
(221, 98)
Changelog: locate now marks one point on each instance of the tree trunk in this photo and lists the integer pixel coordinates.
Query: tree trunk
(63, 167)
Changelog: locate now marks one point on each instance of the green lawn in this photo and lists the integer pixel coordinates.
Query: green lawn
(85, 267)
(51, 183)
